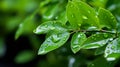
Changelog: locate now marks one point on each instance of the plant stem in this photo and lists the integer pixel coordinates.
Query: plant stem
(104, 31)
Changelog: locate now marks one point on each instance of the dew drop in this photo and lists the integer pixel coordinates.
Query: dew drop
(55, 38)
(84, 17)
(113, 47)
(108, 51)
(79, 35)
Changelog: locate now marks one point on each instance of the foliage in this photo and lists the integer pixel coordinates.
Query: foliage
(77, 29)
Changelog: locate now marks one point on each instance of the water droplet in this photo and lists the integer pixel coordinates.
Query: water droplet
(55, 38)
(113, 47)
(84, 17)
(79, 35)
(108, 51)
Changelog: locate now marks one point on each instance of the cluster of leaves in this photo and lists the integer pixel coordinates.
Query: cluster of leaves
(83, 27)
(90, 28)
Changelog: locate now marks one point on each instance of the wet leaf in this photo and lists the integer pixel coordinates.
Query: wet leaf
(97, 40)
(53, 42)
(49, 26)
(107, 19)
(112, 51)
(77, 40)
(51, 12)
(79, 13)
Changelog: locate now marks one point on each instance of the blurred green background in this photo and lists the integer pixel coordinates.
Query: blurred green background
(19, 45)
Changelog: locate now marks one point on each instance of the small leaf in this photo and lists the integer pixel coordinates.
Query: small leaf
(77, 40)
(49, 26)
(24, 57)
(53, 42)
(79, 13)
(112, 51)
(107, 19)
(97, 40)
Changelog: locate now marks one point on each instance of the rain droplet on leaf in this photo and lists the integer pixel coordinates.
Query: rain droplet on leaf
(55, 38)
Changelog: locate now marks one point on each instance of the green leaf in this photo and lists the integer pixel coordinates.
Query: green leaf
(112, 51)
(49, 26)
(51, 12)
(62, 18)
(53, 42)
(79, 13)
(26, 27)
(97, 40)
(77, 40)
(24, 57)
(107, 19)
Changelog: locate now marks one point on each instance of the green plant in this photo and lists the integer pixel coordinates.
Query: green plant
(84, 27)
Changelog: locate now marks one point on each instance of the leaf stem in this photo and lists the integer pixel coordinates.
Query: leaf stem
(104, 31)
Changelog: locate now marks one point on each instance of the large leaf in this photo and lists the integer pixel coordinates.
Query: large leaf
(79, 13)
(77, 40)
(49, 26)
(97, 40)
(53, 42)
(107, 19)
(112, 51)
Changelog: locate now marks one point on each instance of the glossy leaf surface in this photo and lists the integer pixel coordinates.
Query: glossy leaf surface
(49, 26)
(112, 51)
(77, 40)
(97, 40)
(107, 19)
(79, 13)
(53, 42)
